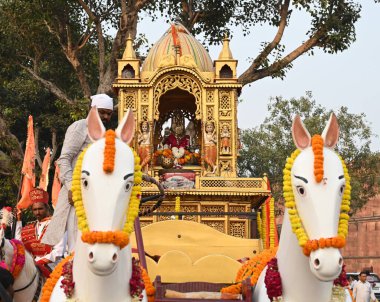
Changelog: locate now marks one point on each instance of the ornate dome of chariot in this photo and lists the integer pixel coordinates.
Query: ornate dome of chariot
(177, 42)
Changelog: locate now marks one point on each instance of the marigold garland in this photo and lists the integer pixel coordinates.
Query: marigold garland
(76, 190)
(134, 201)
(272, 223)
(109, 151)
(251, 269)
(53, 279)
(259, 224)
(317, 146)
(118, 238)
(264, 217)
(149, 288)
(295, 220)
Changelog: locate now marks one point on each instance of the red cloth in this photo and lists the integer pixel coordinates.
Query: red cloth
(39, 195)
(172, 141)
(31, 243)
(44, 268)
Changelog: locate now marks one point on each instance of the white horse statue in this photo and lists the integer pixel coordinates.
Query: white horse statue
(28, 280)
(104, 178)
(317, 192)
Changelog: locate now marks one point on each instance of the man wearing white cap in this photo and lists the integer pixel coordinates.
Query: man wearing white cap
(76, 139)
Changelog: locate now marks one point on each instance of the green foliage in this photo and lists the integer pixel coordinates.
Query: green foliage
(266, 147)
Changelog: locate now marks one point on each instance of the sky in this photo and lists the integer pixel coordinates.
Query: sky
(350, 78)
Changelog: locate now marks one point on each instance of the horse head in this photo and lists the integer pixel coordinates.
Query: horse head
(317, 182)
(105, 180)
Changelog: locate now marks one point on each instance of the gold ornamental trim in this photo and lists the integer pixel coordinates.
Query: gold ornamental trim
(177, 80)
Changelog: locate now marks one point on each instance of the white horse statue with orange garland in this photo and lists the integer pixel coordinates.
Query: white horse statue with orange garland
(317, 198)
(15, 258)
(106, 203)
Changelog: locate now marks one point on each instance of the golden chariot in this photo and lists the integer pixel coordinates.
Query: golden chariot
(179, 87)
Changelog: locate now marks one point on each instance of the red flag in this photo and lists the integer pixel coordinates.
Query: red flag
(44, 178)
(28, 165)
(56, 186)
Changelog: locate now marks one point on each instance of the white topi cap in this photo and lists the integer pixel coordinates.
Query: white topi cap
(102, 101)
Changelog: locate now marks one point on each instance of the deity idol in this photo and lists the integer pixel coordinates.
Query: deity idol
(177, 141)
(144, 145)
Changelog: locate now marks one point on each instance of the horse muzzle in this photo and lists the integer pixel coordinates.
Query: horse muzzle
(326, 264)
(102, 258)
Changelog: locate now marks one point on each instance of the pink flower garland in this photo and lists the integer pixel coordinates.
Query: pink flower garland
(342, 278)
(273, 280)
(136, 282)
(18, 258)
(67, 282)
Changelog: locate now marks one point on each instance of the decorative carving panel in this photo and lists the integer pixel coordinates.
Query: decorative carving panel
(144, 96)
(130, 100)
(210, 112)
(217, 225)
(237, 229)
(236, 209)
(241, 183)
(187, 208)
(210, 96)
(144, 112)
(169, 208)
(225, 104)
(225, 168)
(181, 81)
(213, 209)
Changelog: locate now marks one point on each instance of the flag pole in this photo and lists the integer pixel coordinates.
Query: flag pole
(13, 228)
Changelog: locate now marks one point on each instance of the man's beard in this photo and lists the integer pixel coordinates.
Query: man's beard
(106, 123)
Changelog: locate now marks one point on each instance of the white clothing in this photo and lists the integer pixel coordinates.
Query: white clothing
(363, 292)
(57, 250)
(64, 218)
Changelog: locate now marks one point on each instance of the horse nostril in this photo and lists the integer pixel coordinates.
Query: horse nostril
(91, 256)
(340, 260)
(114, 257)
(316, 262)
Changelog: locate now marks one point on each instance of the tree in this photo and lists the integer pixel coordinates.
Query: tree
(78, 32)
(266, 147)
(54, 54)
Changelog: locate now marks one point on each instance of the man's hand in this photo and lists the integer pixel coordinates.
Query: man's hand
(19, 214)
(70, 197)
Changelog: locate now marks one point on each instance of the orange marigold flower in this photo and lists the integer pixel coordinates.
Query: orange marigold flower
(118, 238)
(109, 152)
(317, 146)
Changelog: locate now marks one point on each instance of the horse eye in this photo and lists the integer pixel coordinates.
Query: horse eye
(128, 186)
(85, 183)
(301, 190)
(342, 189)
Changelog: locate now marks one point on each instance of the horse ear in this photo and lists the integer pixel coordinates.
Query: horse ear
(126, 129)
(330, 134)
(301, 136)
(95, 126)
